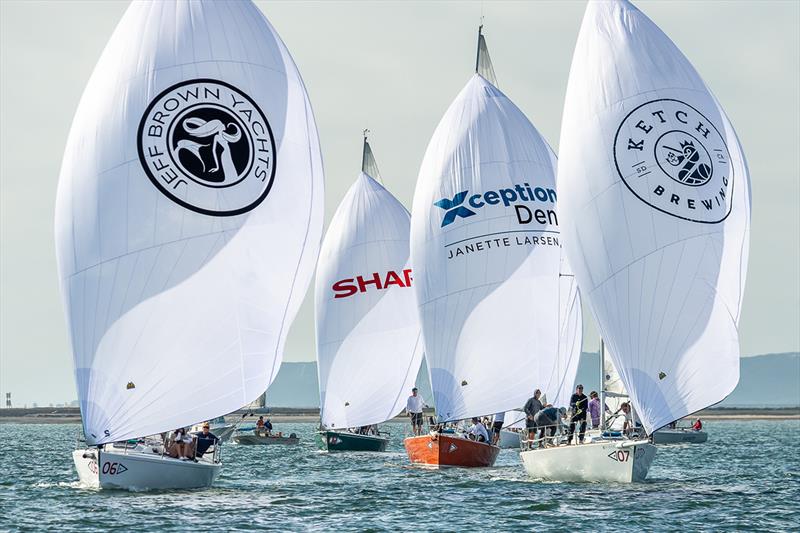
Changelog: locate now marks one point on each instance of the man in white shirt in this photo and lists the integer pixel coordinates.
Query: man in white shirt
(478, 431)
(414, 407)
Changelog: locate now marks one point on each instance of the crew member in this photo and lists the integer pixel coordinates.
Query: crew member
(532, 406)
(205, 440)
(548, 418)
(478, 431)
(497, 425)
(414, 407)
(579, 404)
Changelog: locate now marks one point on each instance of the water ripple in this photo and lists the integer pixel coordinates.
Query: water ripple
(744, 478)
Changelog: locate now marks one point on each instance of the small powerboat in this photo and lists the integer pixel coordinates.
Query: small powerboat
(262, 438)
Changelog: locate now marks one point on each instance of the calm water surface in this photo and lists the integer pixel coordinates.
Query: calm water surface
(747, 477)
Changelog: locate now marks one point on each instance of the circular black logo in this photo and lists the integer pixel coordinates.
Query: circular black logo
(673, 158)
(208, 147)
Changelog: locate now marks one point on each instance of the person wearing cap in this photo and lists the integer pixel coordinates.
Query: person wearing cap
(205, 440)
(579, 404)
(548, 418)
(414, 407)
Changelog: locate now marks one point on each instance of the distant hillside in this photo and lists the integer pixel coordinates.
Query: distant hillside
(771, 380)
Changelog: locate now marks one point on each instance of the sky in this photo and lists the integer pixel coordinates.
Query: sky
(392, 67)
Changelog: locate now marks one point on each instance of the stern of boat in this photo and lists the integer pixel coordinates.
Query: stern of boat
(86, 464)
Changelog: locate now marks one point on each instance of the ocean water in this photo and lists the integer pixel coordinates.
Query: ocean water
(746, 477)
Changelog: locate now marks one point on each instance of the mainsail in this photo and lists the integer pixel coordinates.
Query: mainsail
(368, 340)
(570, 338)
(485, 251)
(188, 217)
(655, 203)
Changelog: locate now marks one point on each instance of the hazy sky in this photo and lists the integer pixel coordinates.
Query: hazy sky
(392, 67)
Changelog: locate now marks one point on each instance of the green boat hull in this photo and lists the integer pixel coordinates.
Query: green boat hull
(343, 441)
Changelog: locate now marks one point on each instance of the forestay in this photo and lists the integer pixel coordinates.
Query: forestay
(188, 217)
(485, 250)
(368, 342)
(655, 200)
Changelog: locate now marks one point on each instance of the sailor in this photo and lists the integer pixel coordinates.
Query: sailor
(579, 404)
(181, 447)
(497, 425)
(698, 425)
(260, 425)
(478, 431)
(414, 407)
(532, 406)
(205, 440)
(548, 418)
(268, 426)
(626, 415)
(594, 409)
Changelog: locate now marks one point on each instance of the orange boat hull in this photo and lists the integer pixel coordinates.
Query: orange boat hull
(444, 450)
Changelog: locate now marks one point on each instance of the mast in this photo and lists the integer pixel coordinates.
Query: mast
(478, 49)
(364, 149)
(483, 63)
(602, 385)
(368, 164)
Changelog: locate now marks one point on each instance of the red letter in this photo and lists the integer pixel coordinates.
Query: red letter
(392, 279)
(407, 273)
(362, 283)
(346, 287)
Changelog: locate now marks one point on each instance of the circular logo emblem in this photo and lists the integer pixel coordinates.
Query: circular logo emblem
(208, 147)
(674, 159)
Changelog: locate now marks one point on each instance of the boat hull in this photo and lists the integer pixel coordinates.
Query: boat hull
(602, 461)
(343, 441)
(141, 471)
(508, 439)
(264, 440)
(679, 436)
(443, 450)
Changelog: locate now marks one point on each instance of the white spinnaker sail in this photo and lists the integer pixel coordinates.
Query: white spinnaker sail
(655, 200)
(368, 338)
(188, 217)
(485, 252)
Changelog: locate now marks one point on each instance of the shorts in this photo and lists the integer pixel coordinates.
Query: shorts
(530, 424)
(497, 426)
(416, 419)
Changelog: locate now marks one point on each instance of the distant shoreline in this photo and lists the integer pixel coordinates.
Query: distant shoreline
(71, 415)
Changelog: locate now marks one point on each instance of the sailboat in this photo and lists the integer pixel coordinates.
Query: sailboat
(188, 220)
(368, 338)
(485, 250)
(655, 203)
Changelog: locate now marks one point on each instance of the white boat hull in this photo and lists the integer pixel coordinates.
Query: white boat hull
(508, 439)
(679, 436)
(599, 461)
(137, 470)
